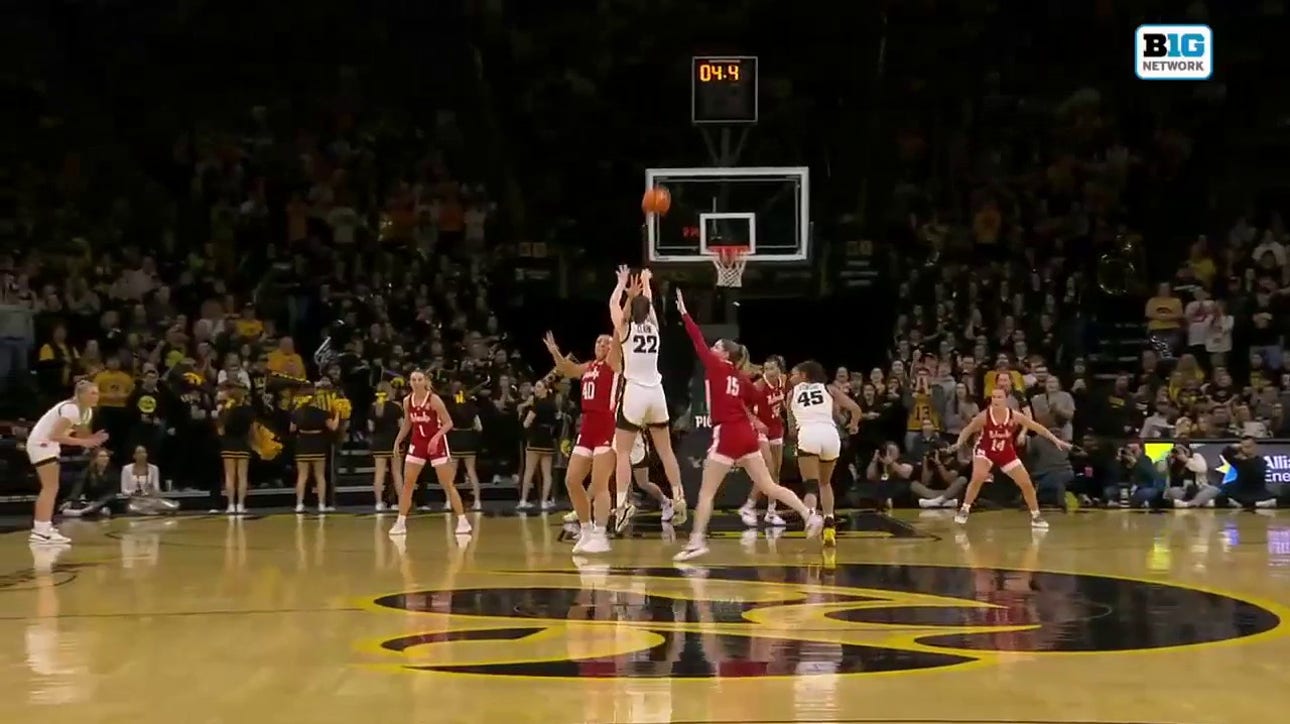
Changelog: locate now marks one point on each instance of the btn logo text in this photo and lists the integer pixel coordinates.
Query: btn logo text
(1173, 52)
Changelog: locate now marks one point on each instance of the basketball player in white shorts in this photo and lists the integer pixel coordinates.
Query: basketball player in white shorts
(818, 442)
(643, 405)
(66, 423)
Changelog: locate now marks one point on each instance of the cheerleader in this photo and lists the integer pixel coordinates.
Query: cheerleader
(233, 424)
(540, 417)
(67, 423)
(382, 428)
(312, 427)
(463, 438)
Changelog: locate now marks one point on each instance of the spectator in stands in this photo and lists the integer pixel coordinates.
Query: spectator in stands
(942, 477)
(1054, 408)
(95, 489)
(1165, 318)
(17, 325)
(889, 474)
(141, 481)
(1051, 470)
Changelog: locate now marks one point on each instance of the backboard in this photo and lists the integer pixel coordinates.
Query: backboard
(766, 209)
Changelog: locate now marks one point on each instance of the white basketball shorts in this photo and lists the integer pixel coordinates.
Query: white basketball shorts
(643, 406)
(819, 440)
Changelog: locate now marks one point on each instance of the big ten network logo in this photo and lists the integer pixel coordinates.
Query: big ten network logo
(1173, 52)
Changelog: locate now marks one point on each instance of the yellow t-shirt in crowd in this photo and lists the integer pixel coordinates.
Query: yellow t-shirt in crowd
(1157, 305)
(115, 387)
(248, 328)
(292, 365)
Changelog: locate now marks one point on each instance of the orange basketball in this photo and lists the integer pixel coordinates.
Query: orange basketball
(657, 201)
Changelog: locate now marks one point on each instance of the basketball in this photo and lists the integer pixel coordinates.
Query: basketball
(656, 201)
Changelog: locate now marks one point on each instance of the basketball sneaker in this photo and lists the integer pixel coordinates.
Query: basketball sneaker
(623, 516)
(463, 525)
(680, 513)
(773, 520)
(666, 511)
(695, 548)
(1037, 521)
(830, 532)
(381, 507)
(400, 528)
(570, 517)
(748, 515)
(597, 541)
(48, 535)
(961, 516)
(814, 524)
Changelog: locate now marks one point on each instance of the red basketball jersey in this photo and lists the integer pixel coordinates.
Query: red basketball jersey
(996, 441)
(422, 417)
(728, 388)
(598, 389)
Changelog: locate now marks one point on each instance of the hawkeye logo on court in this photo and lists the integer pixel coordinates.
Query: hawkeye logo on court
(1173, 52)
(745, 622)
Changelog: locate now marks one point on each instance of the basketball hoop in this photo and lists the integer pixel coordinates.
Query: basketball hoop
(729, 262)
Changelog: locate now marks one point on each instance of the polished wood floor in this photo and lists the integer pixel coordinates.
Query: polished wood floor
(1109, 617)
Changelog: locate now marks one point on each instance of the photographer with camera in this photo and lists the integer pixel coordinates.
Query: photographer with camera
(1138, 483)
(889, 473)
(942, 476)
(1186, 479)
(1248, 488)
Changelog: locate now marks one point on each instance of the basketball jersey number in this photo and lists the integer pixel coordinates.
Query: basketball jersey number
(421, 430)
(589, 390)
(732, 386)
(997, 445)
(645, 344)
(810, 398)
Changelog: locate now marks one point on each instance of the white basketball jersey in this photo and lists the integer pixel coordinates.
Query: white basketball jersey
(640, 355)
(66, 410)
(811, 404)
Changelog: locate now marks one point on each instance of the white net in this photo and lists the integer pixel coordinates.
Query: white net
(730, 267)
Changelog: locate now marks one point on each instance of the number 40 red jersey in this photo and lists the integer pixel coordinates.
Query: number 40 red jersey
(599, 384)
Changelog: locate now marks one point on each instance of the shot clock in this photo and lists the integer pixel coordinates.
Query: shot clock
(723, 89)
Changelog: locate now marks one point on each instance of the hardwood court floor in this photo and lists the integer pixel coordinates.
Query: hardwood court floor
(1110, 617)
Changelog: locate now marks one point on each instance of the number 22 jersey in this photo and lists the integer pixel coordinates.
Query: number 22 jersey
(640, 355)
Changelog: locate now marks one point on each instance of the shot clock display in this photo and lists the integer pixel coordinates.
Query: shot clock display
(723, 89)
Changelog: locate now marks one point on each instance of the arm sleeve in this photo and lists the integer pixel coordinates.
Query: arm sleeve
(700, 346)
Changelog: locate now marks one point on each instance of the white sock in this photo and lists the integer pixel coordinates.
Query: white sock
(401, 520)
(770, 507)
(43, 526)
(749, 505)
(1034, 513)
(967, 507)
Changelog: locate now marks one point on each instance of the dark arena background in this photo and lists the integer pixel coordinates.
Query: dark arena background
(232, 234)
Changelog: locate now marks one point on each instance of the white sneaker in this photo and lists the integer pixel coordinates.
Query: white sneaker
(1179, 503)
(773, 520)
(398, 529)
(49, 536)
(232, 509)
(241, 508)
(666, 511)
(680, 513)
(463, 525)
(477, 506)
(814, 525)
(748, 515)
(570, 517)
(547, 505)
(447, 505)
(931, 502)
(1037, 522)
(584, 535)
(523, 505)
(623, 516)
(961, 516)
(597, 542)
(692, 550)
(381, 507)
(300, 507)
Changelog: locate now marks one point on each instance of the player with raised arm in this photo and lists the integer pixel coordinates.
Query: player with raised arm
(593, 451)
(67, 423)
(998, 426)
(734, 435)
(643, 403)
(813, 409)
(770, 410)
(425, 424)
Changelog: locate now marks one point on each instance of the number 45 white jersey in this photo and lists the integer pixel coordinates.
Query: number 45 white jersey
(811, 404)
(640, 355)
